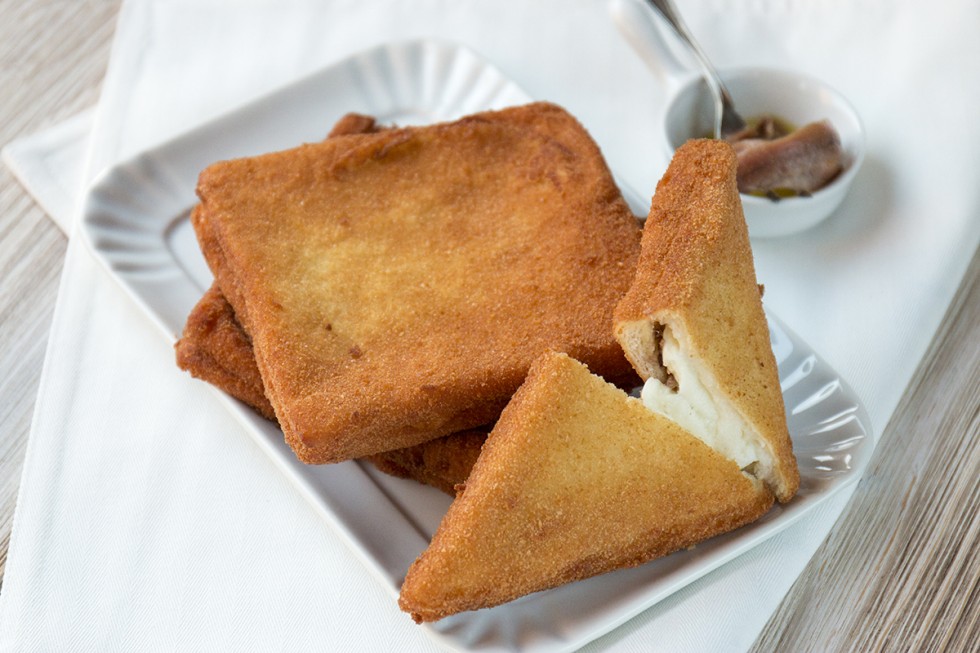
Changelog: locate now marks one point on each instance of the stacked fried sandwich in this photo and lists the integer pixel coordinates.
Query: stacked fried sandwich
(451, 302)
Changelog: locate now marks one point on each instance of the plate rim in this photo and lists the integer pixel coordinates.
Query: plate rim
(142, 165)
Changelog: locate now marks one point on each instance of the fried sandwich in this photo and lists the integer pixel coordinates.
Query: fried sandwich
(396, 286)
(576, 479)
(693, 324)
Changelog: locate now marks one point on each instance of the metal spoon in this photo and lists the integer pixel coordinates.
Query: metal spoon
(727, 121)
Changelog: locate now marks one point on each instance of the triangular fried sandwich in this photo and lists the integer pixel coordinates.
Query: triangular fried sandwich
(576, 479)
(693, 324)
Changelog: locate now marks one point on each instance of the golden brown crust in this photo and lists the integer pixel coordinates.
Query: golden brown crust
(354, 123)
(443, 463)
(696, 274)
(215, 348)
(575, 480)
(384, 319)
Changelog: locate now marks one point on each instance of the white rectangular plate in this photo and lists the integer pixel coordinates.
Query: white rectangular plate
(136, 222)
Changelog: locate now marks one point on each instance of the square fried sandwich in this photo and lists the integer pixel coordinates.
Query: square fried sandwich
(396, 286)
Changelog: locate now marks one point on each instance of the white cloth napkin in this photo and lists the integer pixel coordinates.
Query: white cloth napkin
(147, 518)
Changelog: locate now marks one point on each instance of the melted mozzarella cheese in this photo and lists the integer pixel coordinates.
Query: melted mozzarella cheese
(696, 405)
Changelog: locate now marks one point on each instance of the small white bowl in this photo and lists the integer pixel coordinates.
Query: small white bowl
(797, 99)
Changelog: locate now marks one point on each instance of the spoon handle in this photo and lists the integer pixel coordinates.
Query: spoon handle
(727, 120)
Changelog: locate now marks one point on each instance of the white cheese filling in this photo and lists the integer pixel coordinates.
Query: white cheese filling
(696, 406)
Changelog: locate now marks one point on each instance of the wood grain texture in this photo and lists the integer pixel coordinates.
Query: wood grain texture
(898, 572)
(52, 60)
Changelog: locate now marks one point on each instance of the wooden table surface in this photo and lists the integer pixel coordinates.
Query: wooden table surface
(899, 571)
